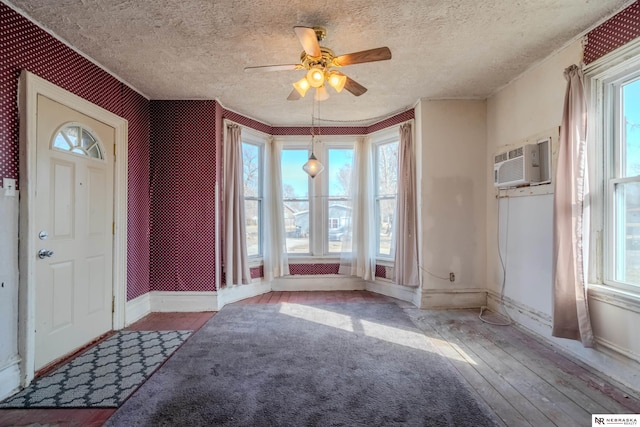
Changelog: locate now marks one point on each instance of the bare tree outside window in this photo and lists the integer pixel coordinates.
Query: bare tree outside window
(252, 173)
(386, 188)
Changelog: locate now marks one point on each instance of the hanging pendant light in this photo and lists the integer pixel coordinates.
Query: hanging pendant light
(313, 166)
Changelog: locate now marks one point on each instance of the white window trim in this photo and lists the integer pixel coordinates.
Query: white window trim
(317, 216)
(604, 71)
(381, 137)
(255, 137)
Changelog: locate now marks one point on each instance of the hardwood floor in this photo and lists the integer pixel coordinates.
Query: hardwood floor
(523, 380)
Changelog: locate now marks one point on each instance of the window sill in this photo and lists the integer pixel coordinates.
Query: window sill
(255, 262)
(385, 262)
(310, 259)
(618, 297)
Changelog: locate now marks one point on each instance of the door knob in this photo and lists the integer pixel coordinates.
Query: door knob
(43, 253)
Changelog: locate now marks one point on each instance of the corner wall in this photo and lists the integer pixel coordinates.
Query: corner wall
(452, 202)
(26, 46)
(527, 109)
(183, 178)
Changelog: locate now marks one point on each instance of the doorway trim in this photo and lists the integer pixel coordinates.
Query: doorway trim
(30, 86)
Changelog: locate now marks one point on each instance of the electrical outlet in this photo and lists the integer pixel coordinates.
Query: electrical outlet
(9, 186)
(452, 277)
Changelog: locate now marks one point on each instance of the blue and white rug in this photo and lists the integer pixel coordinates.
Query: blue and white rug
(104, 375)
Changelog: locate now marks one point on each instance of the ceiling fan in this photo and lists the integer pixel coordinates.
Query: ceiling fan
(319, 62)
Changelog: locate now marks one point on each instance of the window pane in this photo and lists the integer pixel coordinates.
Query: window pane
(627, 236)
(386, 210)
(296, 226)
(339, 224)
(631, 138)
(252, 223)
(387, 169)
(295, 181)
(295, 193)
(78, 141)
(339, 171)
(251, 169)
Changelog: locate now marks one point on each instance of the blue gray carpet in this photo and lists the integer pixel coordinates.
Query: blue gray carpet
(343, 364)
(104, 375)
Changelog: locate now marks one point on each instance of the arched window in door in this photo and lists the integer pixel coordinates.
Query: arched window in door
(77, 139)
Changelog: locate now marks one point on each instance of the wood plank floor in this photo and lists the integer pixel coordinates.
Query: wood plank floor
(523, 380)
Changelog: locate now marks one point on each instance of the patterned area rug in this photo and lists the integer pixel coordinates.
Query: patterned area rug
(104, 375)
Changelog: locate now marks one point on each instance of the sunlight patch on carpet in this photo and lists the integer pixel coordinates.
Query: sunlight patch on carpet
(412, 339)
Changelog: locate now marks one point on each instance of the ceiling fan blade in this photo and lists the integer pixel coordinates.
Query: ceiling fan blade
(283, 67)
(293, 96)
(371, 55)
(354, 87)
(308, 40)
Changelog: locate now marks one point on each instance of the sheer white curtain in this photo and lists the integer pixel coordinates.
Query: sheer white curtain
(361, 260)
(234, 245)
(406, 221)
(571, 219)
(276, 262)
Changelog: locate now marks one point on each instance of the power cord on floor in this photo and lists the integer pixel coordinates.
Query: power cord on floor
(504, 272)
(434, 275)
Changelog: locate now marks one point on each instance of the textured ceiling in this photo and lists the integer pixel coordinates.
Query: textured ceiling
(197, 49)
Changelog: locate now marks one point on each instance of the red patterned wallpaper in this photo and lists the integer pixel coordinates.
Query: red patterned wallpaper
(615, 32)
(305, 130)
(183, 175)
(23, 45)
(306, 269)
(392, 121)
(246, 121)
(135, 109)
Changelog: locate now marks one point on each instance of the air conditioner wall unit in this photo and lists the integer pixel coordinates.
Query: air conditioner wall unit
(517, 167)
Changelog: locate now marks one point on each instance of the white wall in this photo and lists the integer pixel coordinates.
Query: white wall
(525, 110)
(452, 196)
(9, 369)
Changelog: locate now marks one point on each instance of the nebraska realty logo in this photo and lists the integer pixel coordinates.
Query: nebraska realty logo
(615, 419)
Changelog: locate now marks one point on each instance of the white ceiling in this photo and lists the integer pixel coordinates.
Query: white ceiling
(197, 49)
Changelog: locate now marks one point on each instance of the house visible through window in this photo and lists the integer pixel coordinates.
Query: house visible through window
(317, 212)
(295, 197)
(339, 205)
(253, 166)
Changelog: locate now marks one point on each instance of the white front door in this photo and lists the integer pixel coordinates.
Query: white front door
(74, 223)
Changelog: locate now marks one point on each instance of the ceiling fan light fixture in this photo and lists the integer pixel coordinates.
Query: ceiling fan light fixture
(322, 94)
(302, 86)
(337, 80)
(315, 77)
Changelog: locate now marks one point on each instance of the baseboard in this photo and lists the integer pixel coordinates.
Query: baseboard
(137, 308)
(235, 293)
(163, 301)
(10, 378)
(324, 282)
(386, 287)
(606, 358)
(453, 298)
